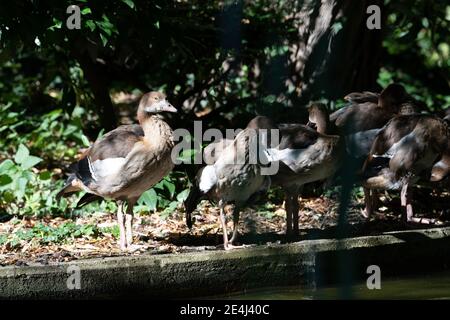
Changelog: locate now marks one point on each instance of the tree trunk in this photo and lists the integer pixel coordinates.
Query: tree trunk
(336, 53)
(98, 84)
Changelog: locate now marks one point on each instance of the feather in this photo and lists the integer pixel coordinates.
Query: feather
(208, 178)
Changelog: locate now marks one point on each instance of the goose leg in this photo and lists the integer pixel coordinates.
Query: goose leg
(406, 202)
(368, 211)
(292, 208)
(295, 211)
(223, 222)
(235, 225)
(129, 223)
(288, 208)
(406, 199)
(121, 222)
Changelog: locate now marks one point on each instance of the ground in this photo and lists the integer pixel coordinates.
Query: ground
(31, 241)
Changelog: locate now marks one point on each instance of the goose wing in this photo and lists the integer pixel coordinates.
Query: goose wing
(297, 143)
(108, 154)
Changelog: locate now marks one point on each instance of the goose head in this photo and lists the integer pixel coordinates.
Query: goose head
(392, 96)
(265, 123)
(318, 117)
(261, 122)
(153, 103)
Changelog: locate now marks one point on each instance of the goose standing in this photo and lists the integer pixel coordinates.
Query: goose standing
(305, 155)
(404, 150)
(364, 117)
(368, 110)
(441, 168)
(126, 162)
(233, 178)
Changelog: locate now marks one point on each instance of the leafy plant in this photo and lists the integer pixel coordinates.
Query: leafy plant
(15, 176)
(46, 234)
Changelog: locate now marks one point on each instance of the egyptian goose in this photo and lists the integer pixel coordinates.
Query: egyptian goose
(369, 110)
(305, 155)
(364, 116)
(126, 162)
(210, 155)
(441, 168)
(232, 179)
(404, 150)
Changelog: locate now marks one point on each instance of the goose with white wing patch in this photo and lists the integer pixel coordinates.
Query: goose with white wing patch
(126, 162)
(233, 178)
(305, 155)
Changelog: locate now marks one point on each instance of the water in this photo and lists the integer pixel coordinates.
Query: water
(434, 286)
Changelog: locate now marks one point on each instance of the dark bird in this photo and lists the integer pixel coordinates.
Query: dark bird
(368, 110)
(305, 155)
(364, 116)
(406, 149)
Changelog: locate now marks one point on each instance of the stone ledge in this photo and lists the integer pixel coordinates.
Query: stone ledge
(188, 275)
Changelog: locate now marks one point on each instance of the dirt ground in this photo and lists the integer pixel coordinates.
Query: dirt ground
(157, 235)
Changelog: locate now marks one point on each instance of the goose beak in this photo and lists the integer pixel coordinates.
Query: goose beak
(161, 106)
(168, 107)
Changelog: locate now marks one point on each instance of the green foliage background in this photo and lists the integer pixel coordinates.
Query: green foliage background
(203, 54)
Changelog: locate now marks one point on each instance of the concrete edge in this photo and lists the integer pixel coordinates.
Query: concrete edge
(304, 263)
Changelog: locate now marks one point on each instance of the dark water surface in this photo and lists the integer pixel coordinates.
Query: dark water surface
(432, 286)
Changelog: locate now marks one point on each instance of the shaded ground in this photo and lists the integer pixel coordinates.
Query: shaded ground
(29, 241)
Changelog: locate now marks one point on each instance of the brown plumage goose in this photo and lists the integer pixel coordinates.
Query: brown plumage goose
(370, 110)
(362, 119)
(126, 162)
(232, 179)
(305, 155)
(441, 169)
(404, 150)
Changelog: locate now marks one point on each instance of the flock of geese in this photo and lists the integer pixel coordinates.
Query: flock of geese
(381, 137)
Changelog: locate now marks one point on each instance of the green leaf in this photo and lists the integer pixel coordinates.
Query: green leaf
(182, 195)
(86, 11)
(57, 24)
(5, 179)
(21, 185)
(104, 40)
(91, 25)
(6, 165)
(100, 134)
(45, 175)
(169, 186)
(8, 197)
(21, 154)
(85, 140)
(130, 3)
(30, 162)
(150, 199)
(169, 210)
